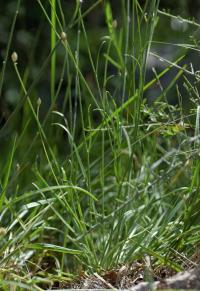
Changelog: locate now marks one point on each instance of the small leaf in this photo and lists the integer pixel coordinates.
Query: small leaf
(54, 248)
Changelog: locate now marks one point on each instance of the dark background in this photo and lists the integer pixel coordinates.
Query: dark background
(31, 40)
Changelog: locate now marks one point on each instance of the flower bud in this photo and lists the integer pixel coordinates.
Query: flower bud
(2, 231)
(14, 57)
(39, 101)
(114, 23)
(63, 36)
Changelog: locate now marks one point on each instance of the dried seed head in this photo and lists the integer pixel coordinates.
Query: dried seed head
(114, 23)
(14, 57)
(63, 36)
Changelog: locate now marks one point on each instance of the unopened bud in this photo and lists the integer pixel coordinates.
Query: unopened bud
(114, 23)
(2, 231)
(14, 57)
(39, 101)
(18, 167)
(63, 36)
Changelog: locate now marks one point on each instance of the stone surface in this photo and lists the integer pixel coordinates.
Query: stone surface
(184, 280)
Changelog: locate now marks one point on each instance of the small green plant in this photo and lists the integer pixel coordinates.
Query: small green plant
(101, 178)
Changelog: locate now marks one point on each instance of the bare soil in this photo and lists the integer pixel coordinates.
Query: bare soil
(139, 278)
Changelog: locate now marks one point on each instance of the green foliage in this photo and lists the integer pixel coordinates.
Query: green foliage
(92, 174)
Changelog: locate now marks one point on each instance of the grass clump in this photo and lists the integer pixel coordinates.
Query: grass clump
(99, 169)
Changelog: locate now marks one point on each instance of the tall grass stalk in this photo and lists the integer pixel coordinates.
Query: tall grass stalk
(53, 43)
